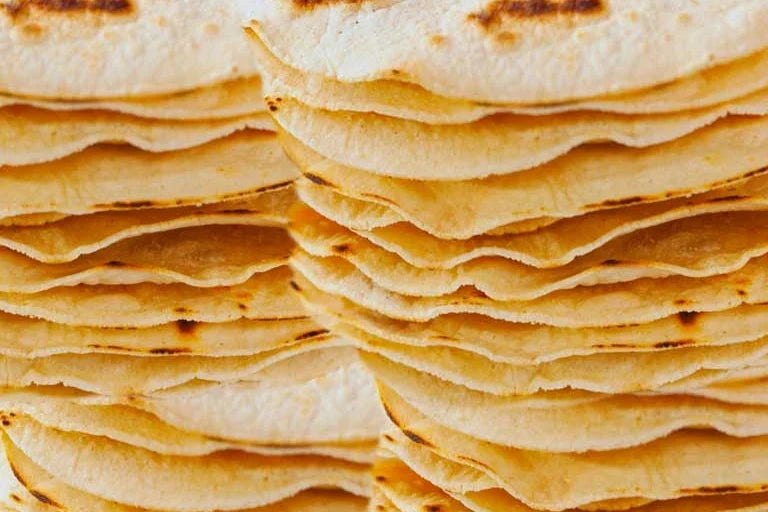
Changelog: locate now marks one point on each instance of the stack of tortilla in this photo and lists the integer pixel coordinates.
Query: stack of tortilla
(543, 222)
(154, 356)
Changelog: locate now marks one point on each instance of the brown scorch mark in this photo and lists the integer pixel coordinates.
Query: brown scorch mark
(496, 11)
(17, 7)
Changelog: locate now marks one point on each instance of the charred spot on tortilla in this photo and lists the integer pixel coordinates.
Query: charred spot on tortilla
(317, 180)
(340, 248)
(311, 334)
(186, 326)
(495, 12)
(112, 7)
(416, 438)
(673, 344)
(169, 351)
(42, 498)
(687, 317)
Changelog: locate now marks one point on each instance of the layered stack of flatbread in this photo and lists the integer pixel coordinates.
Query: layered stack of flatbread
(543, 222)
(154, 356)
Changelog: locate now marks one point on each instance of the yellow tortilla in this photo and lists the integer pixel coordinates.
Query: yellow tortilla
(32, 136)
(66, 239)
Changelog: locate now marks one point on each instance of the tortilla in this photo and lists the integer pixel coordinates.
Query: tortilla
(48, 490)
(466, 50)
(589, 178)
(205, 256)
(561, 242)
(363, 215)
(144, 375)
(58, 408)
(640, 301)
(596, 476)
(748, 391)
(229, 99)
(32, 136)
(394, 98)
(698, 247)
(409, 491)
(337, 406)
(31, 219)
(132, 48)
(698, 366)
(501, 144)
(265, 296)
(21, 336)
(64, 240)
(537, 422)
(236, 167)
(536, 344)
(395, 479)
(118, 472)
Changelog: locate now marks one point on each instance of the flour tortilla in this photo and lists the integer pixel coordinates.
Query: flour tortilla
(134, 476)
(415, 493)
(640, 301)
(699, 247)
(345, 210)
(596, 476)
(205, 256)
(144, 375)
(58, 408)
(238, 166)
(408, 490)
(234, 98)
(363, 215)
(21, 336)
(70, 499)
(749, 391)
(338, 406)
(590, 178)
(554, 57)
(609, 422)
(32, 136)
(537, 344)
(698, 366)
(442, 472)
(394, 98)
(265, 296)
(31, 219)
(563, 241)
(148, 48)
(495, 145)
(64, 240)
